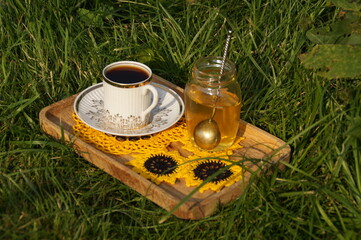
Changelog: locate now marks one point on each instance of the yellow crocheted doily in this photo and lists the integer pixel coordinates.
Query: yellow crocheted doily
(154, 160)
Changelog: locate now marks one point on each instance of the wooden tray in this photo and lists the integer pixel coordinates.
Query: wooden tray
(56, 120)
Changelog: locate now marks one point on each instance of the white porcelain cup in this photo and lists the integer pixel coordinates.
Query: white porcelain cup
(129, 97)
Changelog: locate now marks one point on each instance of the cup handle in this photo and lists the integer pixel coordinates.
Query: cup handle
(155, 99)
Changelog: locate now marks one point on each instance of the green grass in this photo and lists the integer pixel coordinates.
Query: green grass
(50, 50)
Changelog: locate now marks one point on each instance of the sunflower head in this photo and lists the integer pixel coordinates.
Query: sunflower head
(160, 164)
(207, 168)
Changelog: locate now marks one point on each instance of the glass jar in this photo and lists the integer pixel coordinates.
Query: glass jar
(210, 90)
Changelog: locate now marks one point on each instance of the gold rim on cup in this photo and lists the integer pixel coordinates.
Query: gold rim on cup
(127, 63)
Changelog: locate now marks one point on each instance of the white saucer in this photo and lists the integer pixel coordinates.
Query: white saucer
(88, 106)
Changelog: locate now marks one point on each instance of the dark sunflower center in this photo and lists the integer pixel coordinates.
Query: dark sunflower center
(206, 169)
(160, 164)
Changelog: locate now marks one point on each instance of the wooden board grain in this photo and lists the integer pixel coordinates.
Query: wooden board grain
(56, 120)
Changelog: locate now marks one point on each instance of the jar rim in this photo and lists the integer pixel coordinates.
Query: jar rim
(216, 61)
(207, 71)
